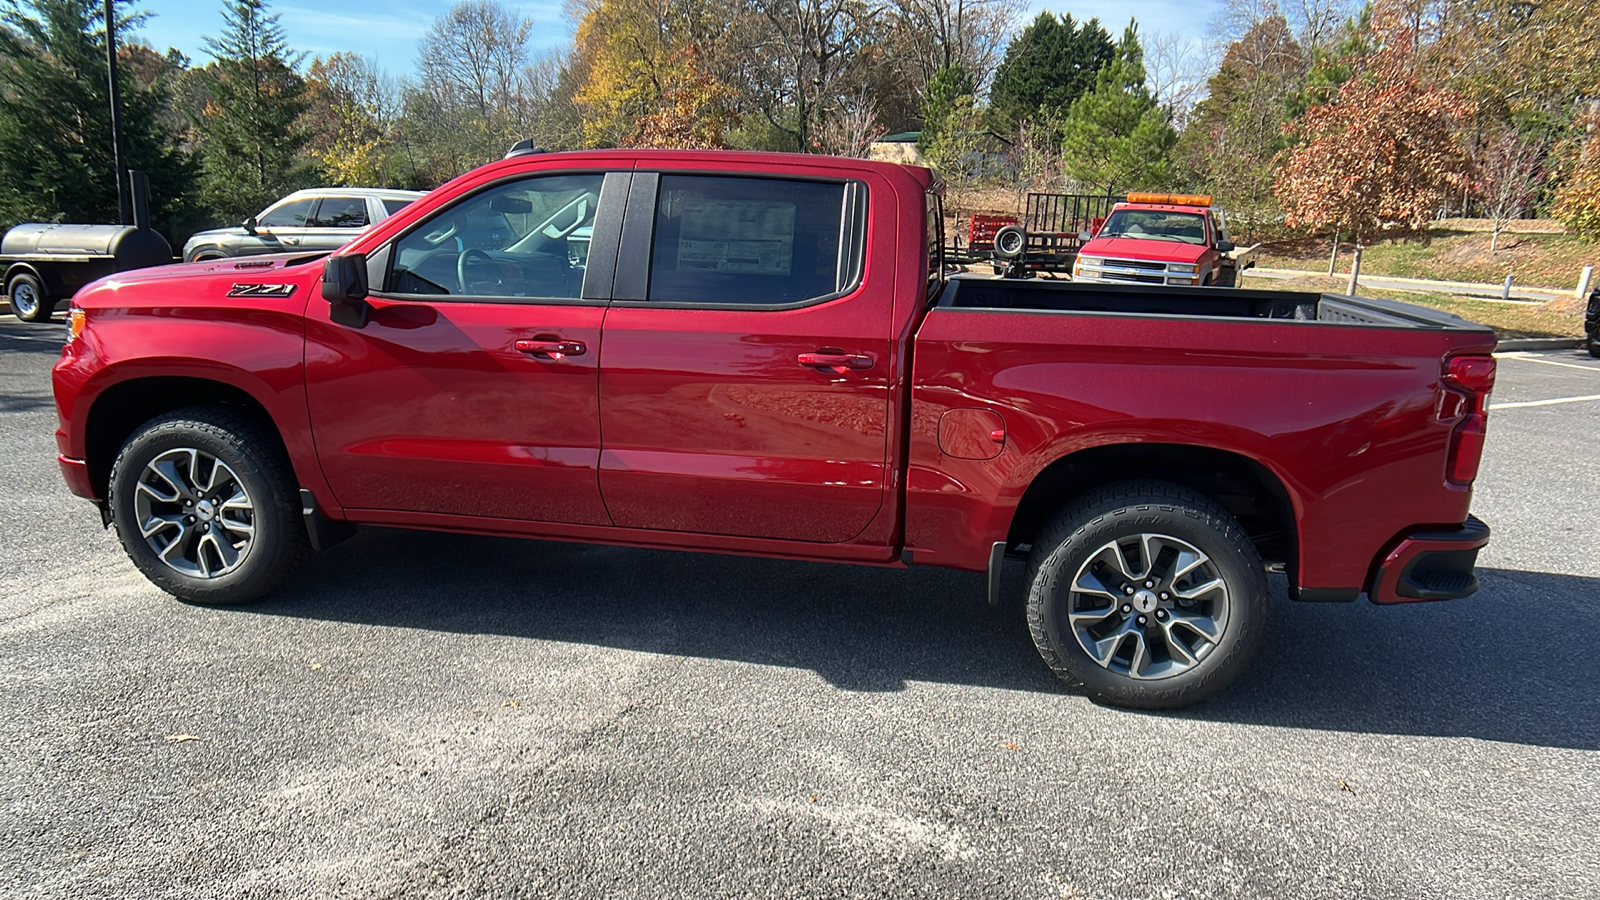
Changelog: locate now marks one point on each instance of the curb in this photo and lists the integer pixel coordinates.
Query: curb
(1459, 286)
(1538, 344)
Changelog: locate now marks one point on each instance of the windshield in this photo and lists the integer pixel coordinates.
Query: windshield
(1154, 224)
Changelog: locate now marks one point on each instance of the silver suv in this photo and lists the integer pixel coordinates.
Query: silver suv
(314, 221)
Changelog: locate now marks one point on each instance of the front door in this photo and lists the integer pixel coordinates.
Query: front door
(744, 382)
(472, 389)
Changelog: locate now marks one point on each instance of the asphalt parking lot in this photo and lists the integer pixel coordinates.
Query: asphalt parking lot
(424, 715)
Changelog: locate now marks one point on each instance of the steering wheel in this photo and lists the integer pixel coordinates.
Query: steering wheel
(471, 259)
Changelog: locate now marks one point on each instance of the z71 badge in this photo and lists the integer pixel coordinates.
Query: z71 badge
(262, 290)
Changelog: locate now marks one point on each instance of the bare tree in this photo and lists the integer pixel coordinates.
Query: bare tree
(851, 128)
(1316, 24)
(808, 53)
(1176, 69)
(1319, 24)
(972, 34)
(1509, 176)
(475, 54)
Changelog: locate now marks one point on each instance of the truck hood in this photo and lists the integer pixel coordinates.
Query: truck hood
(241, 266)
(121, 286)
(1153, 249)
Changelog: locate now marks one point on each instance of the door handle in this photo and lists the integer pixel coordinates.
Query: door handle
(836, 361)
(551, 347)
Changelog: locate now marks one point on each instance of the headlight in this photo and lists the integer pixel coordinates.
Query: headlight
(1177, 269)
(76, 318)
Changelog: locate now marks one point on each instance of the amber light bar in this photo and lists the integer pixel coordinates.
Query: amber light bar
(1172, 199)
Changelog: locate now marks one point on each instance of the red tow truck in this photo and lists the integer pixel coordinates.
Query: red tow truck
(1165, 239)
(761, 354)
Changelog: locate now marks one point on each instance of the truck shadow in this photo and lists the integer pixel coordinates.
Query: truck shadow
(1516, 663)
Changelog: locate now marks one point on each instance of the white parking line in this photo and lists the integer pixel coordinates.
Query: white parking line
(1548, 362)
(1496, 406)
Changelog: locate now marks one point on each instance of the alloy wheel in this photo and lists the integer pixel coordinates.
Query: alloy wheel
(195, 513)
(1148, 606)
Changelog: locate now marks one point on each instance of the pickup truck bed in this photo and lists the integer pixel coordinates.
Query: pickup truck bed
(1043, 295)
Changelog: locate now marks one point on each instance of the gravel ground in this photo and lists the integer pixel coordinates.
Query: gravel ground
(424, 715)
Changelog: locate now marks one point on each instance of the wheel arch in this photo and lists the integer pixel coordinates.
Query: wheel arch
(19, 268)
(122, 407)
(1251, 491)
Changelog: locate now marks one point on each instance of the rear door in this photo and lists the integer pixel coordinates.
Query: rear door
(744, 377)
(336, 222)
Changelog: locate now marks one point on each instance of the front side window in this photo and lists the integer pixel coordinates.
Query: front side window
(725, 239)
(524, 238)
(292, 214)
(341, 212)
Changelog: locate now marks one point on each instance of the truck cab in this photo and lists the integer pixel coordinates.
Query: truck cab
(1161, 239)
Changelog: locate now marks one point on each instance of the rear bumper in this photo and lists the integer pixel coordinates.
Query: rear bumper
(76, 473)
(1436, 564)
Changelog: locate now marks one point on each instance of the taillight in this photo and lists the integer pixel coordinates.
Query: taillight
(1472, 377)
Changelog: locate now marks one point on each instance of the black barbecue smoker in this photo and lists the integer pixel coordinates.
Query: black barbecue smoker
(45, 264)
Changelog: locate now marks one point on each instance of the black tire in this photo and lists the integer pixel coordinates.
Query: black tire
(28, 299)
(1077, 539)
(1594, 348)
(1010, 242)
(277, 546)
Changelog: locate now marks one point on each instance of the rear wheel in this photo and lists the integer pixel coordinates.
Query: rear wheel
(28, 300)
(1146, 594)
(205, 504)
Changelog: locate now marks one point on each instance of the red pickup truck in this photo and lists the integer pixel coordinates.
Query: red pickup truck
(761, 354)
(1159, 239)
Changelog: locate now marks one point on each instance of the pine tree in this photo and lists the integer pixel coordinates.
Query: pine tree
(56, 159)
(1117, 137)
(248, 130)
(1048, 67)
(950, 92)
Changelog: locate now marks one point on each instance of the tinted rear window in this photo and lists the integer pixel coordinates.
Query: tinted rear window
(724, 239)
(341, 212)
(393, 206)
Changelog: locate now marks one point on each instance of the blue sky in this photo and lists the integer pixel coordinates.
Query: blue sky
(389, 29)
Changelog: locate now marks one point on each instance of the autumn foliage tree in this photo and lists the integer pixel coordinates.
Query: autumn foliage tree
(1577, 202)
(692, 111)
(1379, 157)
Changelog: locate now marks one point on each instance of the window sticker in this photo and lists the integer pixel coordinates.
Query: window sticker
(748, 237)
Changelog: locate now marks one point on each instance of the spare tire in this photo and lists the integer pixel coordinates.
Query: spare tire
(1010, 242)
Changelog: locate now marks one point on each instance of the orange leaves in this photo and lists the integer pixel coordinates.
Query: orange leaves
(1380, 155)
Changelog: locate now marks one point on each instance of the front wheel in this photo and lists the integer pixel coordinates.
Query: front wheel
(205, 504)
(1146, 594)
(28, 300)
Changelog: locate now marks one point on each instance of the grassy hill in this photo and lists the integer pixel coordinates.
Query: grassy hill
(1534, 260)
